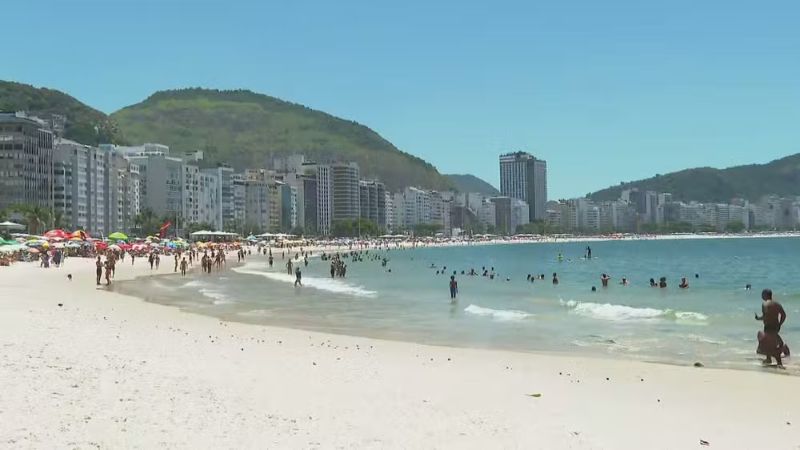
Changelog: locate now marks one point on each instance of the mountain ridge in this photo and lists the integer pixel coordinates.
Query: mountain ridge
(707, 184)
(261, 127)
(471, 183)
(83, 123)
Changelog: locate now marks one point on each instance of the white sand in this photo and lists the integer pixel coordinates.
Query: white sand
(106, 371)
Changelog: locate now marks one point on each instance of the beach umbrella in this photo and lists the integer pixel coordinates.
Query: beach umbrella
(5, 242)
(73, 245)
(33, 250)
(7, 225)
(12, 248)
(114, 247)
(118, 236)
(80, 235)
(100, 245)
(56, 234)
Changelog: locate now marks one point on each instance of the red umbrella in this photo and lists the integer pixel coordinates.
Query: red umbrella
(56, 234)
(125, 247)
(100, 245)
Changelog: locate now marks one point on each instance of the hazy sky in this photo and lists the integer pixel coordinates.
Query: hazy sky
(605, 91)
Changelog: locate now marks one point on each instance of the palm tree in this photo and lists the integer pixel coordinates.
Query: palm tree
(58, 220)
(36, 217)
(146, 222)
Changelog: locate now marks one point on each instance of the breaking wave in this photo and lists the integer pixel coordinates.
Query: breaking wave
(608, 311)
(497, 314)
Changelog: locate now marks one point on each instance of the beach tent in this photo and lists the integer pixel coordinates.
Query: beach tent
(11, 226)
(118, 236)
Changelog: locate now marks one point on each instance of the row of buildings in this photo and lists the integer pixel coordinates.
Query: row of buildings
(105, 188)
(637, 211)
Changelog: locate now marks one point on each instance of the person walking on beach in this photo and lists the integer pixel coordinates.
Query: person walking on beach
(453, 288)
(289, 266)
(176, 263)
(99, 269)
(298, 277)
(158, 261)
(184, 265)
(770, 343)
(271, 260)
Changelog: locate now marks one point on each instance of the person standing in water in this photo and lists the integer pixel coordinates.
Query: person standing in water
(298, 277)
(770, 343)
(604, 280)
(453, 287)
(588, 252)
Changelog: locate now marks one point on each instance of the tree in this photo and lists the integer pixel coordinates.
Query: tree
(735, 227)
(146, 222)
(35, 217)
(58, 220)
(427, 229)
(355, 228)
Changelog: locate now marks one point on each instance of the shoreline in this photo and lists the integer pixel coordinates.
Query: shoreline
(108, 370)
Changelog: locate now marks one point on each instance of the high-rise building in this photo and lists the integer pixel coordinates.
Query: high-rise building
(346, 192)
(26, 161)
(524, 177)
(226, 195)
(373, 202)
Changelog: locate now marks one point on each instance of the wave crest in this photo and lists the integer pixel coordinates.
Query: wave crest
(609, 311)
(497, 314)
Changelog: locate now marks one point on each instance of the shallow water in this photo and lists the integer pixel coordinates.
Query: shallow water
(712, 321)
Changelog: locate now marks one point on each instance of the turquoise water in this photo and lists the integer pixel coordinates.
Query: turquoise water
(711, 321)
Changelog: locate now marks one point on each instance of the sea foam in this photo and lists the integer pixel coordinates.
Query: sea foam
(608, 311)
(323, 284)
(497, 314)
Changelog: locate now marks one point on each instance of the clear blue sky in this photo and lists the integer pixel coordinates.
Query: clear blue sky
(605, 91)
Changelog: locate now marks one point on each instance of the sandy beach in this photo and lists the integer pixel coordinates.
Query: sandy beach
(102, 370)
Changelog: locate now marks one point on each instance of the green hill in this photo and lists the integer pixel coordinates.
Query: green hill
(471, 183)
(246, 129)
(83, 124)
(705, 184)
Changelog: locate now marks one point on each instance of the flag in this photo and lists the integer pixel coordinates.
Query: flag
(163, 230)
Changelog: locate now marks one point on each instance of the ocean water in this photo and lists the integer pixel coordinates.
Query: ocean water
(711, 321)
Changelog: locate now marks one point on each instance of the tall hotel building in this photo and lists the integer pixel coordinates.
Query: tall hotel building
(524, 177)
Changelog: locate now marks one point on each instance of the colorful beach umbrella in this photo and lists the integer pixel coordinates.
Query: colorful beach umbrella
(118, 236)
(80, 235)
(57, 234)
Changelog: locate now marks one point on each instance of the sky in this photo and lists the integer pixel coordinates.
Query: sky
(604, 91)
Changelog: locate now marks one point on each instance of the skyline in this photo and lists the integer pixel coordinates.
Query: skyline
(620, 88)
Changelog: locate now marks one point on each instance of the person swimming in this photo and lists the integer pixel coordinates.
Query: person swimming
(555, 278)
(653, 283)
(624, 281)
(684, 283)
(662, 282)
